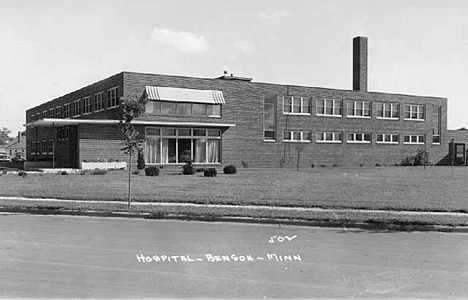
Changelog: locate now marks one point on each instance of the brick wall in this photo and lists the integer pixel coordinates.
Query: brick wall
(244, 107)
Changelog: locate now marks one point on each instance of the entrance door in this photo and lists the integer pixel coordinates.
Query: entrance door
(460, 158)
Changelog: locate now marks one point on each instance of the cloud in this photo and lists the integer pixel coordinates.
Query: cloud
(184, 41)
(243, 46)
(267, 15)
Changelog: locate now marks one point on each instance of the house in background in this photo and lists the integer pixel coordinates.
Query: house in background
(18, 146)
(234, 120)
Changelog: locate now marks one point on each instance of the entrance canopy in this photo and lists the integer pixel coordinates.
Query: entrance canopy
(50, 122)
(184, 95)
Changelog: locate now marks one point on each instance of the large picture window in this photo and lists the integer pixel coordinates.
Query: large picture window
(176, 146)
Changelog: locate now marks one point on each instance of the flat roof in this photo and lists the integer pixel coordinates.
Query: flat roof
(50, 122)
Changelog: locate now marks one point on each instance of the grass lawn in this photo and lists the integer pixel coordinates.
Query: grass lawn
(396, 188)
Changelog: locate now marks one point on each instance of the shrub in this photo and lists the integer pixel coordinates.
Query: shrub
(63, 173)
(230, 169)
(140, 161)
(323, 166)
(136, 172)
(419, 159)
(312, 166)
(211, 172)
(22, 174)
(83, 172)
(377, 165)
(200, 170)
(188, 168)
(152, 171)
(335, 165)
(99, 172)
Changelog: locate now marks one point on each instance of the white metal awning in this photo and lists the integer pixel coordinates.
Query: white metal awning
(184, 95)
(50, 122)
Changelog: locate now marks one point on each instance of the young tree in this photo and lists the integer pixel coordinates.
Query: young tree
(131, 108)
(299, 148)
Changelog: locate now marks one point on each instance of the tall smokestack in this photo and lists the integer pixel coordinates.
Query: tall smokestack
(19, 136)
(360, 63)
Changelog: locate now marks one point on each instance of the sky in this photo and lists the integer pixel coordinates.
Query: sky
(49, 48)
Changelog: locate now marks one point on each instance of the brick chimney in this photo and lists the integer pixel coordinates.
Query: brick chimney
(360, 63)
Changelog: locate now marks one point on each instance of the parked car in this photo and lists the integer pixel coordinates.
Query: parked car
(19, 158)
(4, 157)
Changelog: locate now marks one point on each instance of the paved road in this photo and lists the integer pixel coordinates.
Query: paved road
(76, 257)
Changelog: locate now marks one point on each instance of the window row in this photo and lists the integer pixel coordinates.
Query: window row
(79, 107)
(364, 138)
(42, 147)
(183, 108)
(176, 146)
(354, 108)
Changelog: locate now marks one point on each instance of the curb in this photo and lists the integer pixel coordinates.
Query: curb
(374, 226)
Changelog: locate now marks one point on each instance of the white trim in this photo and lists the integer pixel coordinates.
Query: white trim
(61, 122)
(390, 119)
(416, 120)
(333, 116)
(358, 117)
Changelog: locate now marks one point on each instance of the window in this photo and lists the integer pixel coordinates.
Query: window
(87, 105)
(76, 108)
(112, 100)
(329, 137)
(414, 112)
(296, 136)
(296, 105)
(168, 108)
(269, 118)
(413, 139)
(66, 110)
(51, 113)
(359, 109)
(183, 108)
(387, 139)
(45, 146)
(33, 148)
(326, 107)
(98, 102)
(58, 112)
(359, 138)
(214, 110)
(436, 122)
(50, 146)
(169, 145)
(44, 114)
(387, 111)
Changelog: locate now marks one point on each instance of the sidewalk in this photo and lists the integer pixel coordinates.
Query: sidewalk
(360, 218)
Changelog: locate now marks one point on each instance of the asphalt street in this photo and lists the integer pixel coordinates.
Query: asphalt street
(92, 257)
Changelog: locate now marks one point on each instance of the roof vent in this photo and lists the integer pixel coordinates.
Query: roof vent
(232, 77)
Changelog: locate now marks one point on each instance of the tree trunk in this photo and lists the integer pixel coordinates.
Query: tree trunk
(129, 179)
